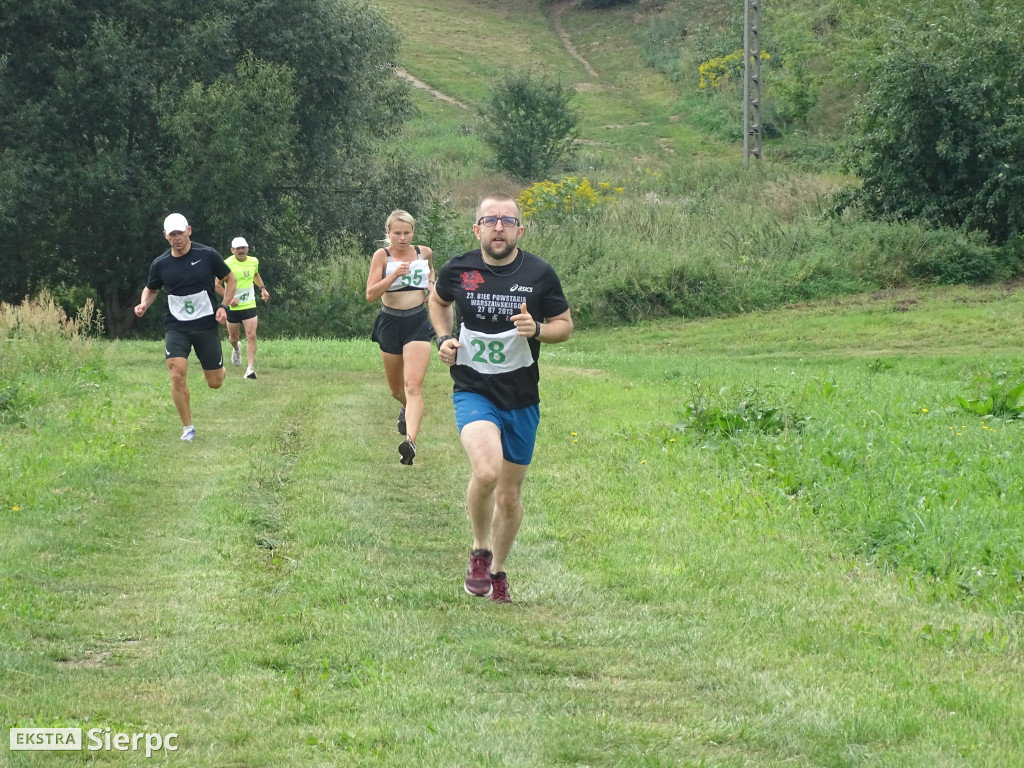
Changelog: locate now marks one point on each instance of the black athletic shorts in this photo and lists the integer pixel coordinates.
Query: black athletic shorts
(394, 328)
(238, 315)
(178, 343)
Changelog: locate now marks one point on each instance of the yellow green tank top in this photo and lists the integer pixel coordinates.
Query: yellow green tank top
(244, 271)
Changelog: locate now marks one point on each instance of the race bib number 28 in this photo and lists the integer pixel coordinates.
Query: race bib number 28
(493, 352)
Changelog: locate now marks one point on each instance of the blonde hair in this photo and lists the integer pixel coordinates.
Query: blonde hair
(396, 215)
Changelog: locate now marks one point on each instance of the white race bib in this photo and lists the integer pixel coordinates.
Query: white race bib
(244, 297)
(417, 277)
(493, 352)
(190, 307)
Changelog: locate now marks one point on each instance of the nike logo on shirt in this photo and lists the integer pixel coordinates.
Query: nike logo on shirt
(195, 262)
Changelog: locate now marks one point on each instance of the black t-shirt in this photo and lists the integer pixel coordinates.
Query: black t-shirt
(486, 297)
(187, 277)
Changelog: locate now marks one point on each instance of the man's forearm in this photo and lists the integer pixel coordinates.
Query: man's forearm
(442, 315)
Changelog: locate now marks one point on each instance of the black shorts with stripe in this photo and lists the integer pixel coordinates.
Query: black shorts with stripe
(394, 328)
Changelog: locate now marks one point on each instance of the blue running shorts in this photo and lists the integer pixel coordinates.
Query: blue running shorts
(518, 427)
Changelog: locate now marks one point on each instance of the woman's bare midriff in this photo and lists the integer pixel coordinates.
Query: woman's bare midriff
(403, 299)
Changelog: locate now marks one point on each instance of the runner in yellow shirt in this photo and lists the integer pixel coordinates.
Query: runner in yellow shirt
(246, 269)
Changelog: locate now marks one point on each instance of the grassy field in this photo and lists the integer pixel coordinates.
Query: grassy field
(833, 581)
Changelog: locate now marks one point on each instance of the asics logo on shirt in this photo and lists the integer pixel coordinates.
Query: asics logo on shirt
(521, 289)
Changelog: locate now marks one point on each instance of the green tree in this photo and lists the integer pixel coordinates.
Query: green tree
(940, 126)
(115, 112)
(529, 124)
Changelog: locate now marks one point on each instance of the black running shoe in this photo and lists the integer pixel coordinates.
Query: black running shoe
(401, 422)
(407, 450)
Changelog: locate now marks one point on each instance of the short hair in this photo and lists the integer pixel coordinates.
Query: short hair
(499, 197)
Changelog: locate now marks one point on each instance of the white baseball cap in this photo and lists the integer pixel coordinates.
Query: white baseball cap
(239, 242)
(175, 223)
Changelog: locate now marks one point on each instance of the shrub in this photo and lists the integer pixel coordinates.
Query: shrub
(728, 414)
(571, 199)
(968, 260)
(941, 125)
(995, 393)
(529, 124)
(330, 301)
(720, 71)
(439, 226)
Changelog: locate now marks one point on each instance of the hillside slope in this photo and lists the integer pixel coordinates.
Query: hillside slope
(457, 48)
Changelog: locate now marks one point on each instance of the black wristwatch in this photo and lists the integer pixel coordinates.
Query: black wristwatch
(226, 307)
(441, 340)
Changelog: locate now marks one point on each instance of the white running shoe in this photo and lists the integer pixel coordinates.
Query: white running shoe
(188, 433)
(250, 373)
(236, 357)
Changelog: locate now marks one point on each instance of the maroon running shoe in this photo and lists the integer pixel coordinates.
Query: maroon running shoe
(499, 588)
(478, 575)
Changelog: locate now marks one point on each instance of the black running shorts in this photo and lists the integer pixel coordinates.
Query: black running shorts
(178, 343)
(394, 328)
(238, 315)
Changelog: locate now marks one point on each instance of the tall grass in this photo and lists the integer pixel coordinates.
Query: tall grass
(694, 249)
(695, 242)
(893, 468)
(37, 336)
(44, 352)
(59, 418)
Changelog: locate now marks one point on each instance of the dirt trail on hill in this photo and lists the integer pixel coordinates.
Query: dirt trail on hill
(556, 20)
(432, 91)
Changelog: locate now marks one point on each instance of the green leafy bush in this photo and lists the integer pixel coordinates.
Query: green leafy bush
(995, 393)
(965, 260)
(439, 226)
(941, 124)
(529, 124)
(725, 414)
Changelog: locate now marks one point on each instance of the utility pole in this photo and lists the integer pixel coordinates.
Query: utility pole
(751, 80)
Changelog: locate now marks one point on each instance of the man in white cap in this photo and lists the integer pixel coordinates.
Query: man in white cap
(188, 271)
(247, 272)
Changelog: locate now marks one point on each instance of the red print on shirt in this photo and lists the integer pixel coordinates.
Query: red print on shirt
(472, 280)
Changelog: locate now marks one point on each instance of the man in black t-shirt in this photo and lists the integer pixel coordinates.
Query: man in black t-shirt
(188, 271)
(502, 293)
